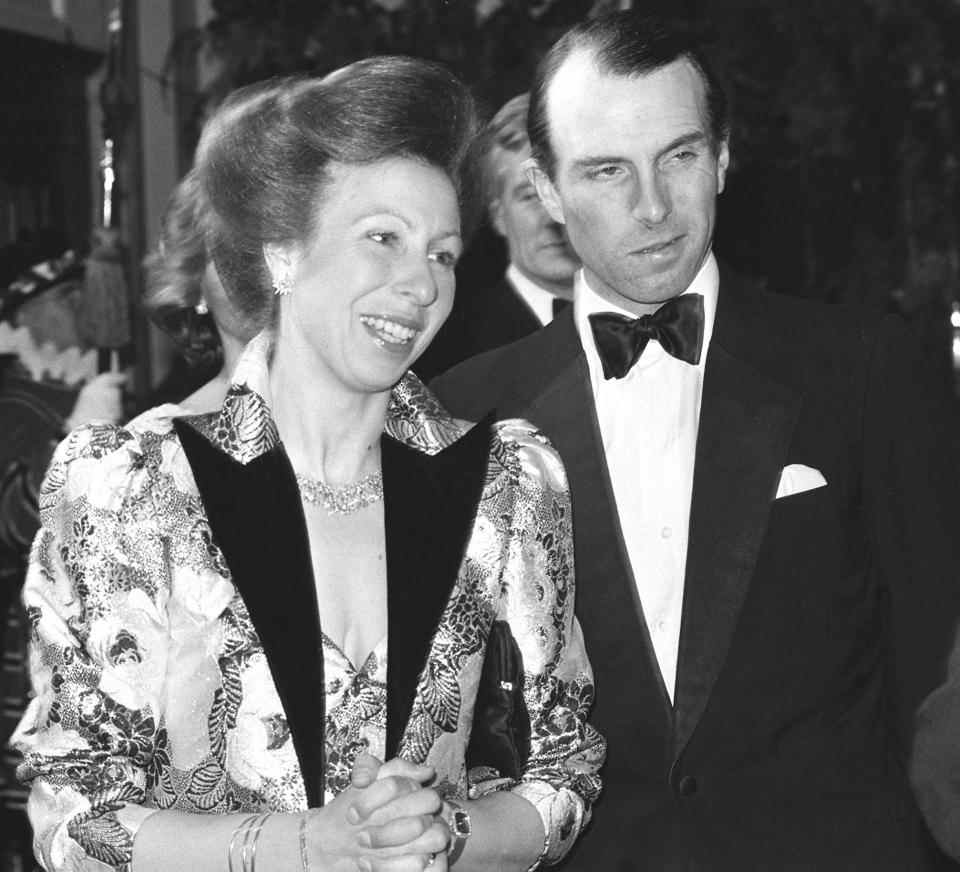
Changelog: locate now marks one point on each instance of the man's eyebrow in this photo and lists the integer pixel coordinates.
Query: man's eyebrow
(695, 137)
(585, 163)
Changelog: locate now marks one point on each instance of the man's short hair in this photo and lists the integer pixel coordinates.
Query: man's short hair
(625, 44)
(506, 131)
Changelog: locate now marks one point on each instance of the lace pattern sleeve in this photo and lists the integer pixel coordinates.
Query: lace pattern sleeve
(91, 738)
(561, 778)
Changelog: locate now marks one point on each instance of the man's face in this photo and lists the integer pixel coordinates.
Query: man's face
(537, 244)
(636, 179)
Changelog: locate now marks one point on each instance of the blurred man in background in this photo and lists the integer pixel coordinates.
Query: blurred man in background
(539, 278)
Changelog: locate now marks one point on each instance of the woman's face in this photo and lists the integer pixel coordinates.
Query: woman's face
(372, 286)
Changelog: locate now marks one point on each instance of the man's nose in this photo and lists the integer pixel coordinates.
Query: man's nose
(652, 202)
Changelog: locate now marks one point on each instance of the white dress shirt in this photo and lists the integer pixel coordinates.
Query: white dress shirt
(648, 422)
(537, 298)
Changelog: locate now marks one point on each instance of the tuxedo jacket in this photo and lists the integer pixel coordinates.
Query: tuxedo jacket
(176, 641)
(481, 319)
(812, 625)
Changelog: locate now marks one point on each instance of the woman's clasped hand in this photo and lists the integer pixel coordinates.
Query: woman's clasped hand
(388, 820)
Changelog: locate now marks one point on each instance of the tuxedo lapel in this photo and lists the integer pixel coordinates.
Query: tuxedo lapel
(746, 422)
(256, 517)
(430, 502)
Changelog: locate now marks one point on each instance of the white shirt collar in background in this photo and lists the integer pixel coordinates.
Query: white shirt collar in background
(538, 299)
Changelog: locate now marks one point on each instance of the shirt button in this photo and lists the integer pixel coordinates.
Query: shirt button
(688, 786)
(666, 532)
(661, 626)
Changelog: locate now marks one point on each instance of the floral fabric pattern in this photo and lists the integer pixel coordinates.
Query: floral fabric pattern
(152, 687)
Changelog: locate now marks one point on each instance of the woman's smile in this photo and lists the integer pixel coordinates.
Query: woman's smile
(389, 332)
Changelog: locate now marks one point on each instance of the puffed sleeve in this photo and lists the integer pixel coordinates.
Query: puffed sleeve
(561, 778)
(91, 737)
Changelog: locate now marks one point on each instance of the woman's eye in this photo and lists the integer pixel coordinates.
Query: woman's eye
(444, 258)
(384, 237)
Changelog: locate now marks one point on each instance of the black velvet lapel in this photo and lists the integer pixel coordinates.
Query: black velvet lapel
(430, 502)
(746, 423)
(257, 521)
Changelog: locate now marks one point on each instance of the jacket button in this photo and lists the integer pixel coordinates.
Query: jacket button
(687, 786)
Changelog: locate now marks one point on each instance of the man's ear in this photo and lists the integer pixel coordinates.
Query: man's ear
(545, 189)
(495, 211)
(723, 162)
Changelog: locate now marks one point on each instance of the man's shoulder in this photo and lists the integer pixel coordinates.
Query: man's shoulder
(477, 384)
(787, 324)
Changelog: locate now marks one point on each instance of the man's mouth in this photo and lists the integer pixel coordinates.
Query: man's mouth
(657, 247)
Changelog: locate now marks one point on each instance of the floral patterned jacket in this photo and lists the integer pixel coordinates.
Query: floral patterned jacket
(176, 649)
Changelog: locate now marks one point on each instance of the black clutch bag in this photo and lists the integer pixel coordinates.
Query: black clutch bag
(501, 724)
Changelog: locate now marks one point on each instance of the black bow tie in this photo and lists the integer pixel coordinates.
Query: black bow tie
(677, 325)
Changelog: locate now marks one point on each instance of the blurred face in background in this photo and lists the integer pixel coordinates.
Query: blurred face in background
(536, 243)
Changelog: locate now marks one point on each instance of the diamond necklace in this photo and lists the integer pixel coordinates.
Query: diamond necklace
(343, 500)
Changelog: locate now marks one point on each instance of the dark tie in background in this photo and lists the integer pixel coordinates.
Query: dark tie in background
(677, 325)
(559, 304)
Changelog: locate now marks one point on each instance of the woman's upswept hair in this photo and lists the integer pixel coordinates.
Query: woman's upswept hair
(174, 276)
(265, 155)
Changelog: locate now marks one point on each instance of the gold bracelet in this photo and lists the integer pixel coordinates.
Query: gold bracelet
(302, 836)
(241, 828)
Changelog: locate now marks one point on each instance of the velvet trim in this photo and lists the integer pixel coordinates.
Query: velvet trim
(257, 521)
(430, 503)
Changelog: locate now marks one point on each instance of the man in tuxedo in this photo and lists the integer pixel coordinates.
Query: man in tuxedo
(764, 498)
(539, 277)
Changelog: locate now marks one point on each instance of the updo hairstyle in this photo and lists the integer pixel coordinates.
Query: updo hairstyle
(174, 277)
(265, 155)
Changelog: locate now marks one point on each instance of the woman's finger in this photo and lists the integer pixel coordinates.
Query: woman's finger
(378, 794)
(411, 863)
(365, 770)
(419, 772)
(398, 832)
(418, 802)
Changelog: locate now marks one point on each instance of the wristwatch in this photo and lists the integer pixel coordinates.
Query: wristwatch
(458, 823)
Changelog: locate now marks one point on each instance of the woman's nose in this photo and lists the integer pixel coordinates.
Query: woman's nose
(418, 282)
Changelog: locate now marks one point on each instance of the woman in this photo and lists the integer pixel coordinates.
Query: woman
(238, 615)
(187, 300)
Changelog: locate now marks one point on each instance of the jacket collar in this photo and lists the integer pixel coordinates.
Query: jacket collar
(244, 428)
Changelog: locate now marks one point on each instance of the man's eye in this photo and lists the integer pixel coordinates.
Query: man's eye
(607, 171)
(445, 258)
(384, 237)
(684, 155)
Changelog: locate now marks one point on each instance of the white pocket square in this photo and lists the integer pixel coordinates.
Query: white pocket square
(797, 478)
